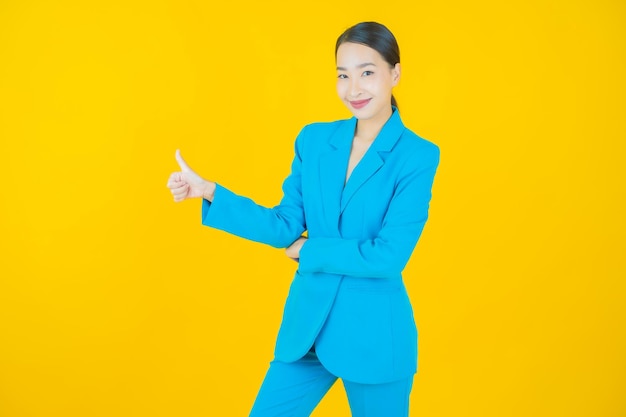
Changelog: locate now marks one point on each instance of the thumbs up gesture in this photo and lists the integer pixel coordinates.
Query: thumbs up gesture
(187, 184)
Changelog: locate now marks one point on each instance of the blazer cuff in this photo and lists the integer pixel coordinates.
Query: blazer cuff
(211, 210)
(307, 257)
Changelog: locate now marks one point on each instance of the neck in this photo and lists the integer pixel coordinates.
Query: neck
(369, 128)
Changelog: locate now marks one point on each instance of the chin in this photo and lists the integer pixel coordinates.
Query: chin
(363, 113)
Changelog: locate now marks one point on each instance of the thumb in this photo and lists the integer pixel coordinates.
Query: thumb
(181, 162)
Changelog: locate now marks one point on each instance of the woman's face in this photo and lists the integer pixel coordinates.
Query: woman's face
(365, 80)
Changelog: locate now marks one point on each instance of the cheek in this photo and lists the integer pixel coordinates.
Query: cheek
(379, 86)
(371, 84)
(341, 88)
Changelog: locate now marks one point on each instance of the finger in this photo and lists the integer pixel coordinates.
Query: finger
(180, 194)
(175, 180)
(180, 190)
(181, 162)
(175, 176)
(175, 184)
(181, 197)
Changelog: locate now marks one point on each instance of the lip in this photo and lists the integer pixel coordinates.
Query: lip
(360, 103)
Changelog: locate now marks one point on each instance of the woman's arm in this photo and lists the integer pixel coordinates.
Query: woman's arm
(387, 254)
(278, 226)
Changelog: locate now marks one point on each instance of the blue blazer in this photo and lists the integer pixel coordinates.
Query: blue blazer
(347, 297)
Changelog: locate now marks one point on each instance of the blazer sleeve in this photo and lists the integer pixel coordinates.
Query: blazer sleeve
(386, 255)
(278, 226)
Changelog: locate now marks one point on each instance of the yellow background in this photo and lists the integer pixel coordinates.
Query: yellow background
(114, 301)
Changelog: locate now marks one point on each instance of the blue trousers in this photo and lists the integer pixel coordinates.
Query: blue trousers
(294, 390)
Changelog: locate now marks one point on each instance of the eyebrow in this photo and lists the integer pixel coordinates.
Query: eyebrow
(363, 65)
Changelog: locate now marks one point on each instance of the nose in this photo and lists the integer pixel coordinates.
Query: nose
(355, 88)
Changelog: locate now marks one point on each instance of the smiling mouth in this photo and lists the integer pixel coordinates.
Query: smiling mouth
(360, 103)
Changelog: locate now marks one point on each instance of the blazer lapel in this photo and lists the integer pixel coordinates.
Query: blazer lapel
(373, 159)
(333, 166)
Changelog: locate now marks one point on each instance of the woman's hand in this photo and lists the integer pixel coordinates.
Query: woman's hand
(188, 184)
(293, 251)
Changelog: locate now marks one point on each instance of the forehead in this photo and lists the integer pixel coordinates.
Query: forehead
(352, 54)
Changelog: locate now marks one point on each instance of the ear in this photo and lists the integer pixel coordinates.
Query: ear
(395, 74)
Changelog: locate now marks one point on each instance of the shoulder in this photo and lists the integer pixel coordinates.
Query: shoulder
(417, 149)
(323, 128)
(319, 133)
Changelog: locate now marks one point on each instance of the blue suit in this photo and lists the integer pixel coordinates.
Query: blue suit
(347, 298)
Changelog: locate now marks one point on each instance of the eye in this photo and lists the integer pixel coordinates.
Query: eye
(366, 73)
(342, 76)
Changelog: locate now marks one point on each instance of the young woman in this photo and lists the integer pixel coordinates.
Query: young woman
(361, 187)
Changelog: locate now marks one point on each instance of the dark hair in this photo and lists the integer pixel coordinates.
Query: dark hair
(377, 37)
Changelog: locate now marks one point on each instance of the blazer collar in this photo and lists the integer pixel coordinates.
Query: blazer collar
(335, 163)
(384, 142)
